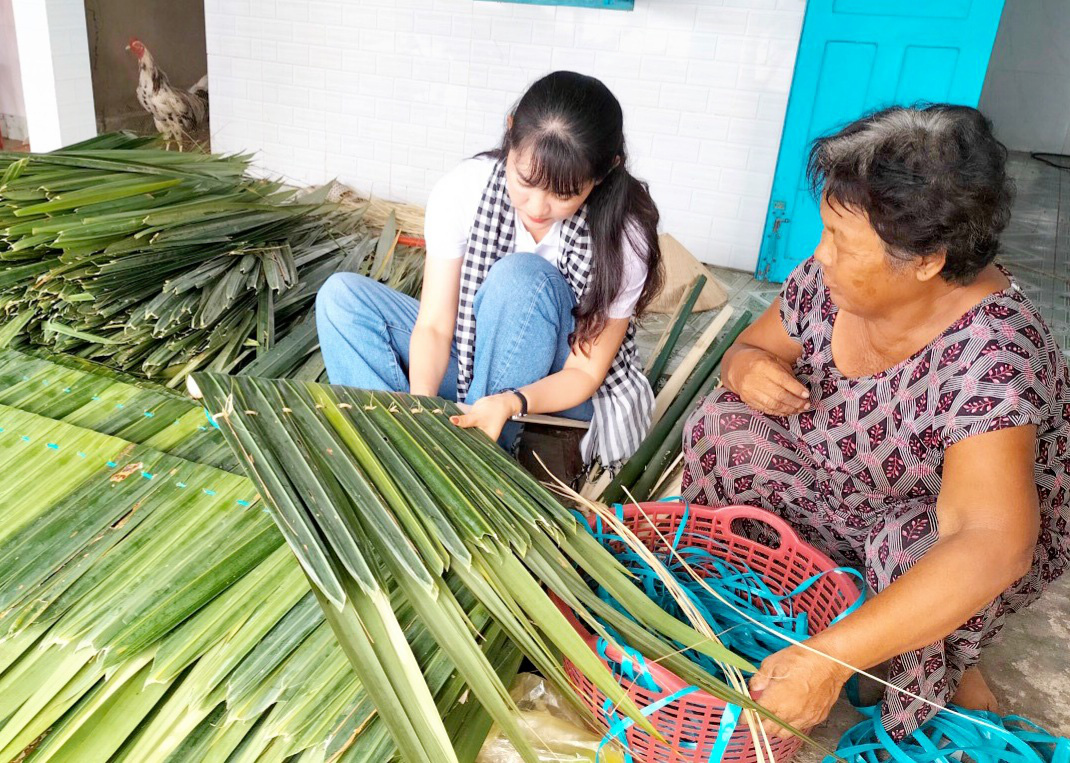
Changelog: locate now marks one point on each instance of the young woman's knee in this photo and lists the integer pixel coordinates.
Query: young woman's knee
(521, 275)
(519, 269)
(342, 294)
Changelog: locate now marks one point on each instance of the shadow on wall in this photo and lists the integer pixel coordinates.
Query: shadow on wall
(172, 29)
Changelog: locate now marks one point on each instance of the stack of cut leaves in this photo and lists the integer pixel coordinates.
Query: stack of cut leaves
(373, 490)
(160, 263)
(149, 610)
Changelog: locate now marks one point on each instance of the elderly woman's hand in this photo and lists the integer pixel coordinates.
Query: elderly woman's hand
(799, 687)
(766, 383)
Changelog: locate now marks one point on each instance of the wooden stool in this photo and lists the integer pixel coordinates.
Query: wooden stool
(556, 441)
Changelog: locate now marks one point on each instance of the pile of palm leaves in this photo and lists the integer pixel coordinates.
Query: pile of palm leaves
(379, 496)
(160, 263)
(149, 609)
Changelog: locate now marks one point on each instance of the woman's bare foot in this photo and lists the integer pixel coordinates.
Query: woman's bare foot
(973, 692)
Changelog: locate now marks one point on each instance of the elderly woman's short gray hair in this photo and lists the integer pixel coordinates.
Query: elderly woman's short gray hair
(928, 179)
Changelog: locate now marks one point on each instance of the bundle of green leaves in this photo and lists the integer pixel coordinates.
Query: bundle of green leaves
(160, 263)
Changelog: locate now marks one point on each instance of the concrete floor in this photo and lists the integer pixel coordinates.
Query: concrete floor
(1029, 670)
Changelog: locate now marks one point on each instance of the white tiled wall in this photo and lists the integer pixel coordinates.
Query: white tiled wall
(54, 66)
(12, 108)
(387, 95)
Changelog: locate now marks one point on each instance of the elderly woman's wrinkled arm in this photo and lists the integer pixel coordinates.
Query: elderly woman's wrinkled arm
(988, 515)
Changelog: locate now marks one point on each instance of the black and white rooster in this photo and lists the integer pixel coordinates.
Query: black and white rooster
(176, 113)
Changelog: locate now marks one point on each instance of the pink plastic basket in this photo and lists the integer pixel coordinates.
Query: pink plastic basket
(690, 724)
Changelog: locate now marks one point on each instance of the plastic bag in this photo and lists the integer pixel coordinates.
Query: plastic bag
(556, 731)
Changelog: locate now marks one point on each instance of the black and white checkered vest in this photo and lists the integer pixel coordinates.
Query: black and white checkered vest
(625, 401)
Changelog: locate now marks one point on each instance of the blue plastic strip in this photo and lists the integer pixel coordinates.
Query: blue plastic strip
(729, 719)
(618, 725)
(736, 582)
(947, 737)
(781, 621)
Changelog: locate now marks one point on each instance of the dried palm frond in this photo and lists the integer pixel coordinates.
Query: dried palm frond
(376, 211)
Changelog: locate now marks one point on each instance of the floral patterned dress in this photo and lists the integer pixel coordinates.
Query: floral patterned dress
(859, 474)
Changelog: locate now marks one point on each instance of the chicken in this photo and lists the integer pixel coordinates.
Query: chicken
(176, 113)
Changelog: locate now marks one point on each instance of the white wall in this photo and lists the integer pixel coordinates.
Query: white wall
(386, 95)
(12, 108)
(1027, 91)
(54, 63)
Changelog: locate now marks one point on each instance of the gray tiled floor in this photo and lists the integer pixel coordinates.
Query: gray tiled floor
(744, 293)
(1028, 668)
(1036, 244)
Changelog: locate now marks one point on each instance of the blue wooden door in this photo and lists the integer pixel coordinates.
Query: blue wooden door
(856, 56)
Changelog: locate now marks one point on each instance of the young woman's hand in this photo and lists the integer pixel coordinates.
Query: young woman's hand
(489, 413)
(766, 383)
(799, 687)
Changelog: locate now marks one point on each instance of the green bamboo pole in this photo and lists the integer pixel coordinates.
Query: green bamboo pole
(656, 439)
(666, 348)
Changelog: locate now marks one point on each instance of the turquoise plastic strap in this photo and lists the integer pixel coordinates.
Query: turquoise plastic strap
(729, 719)
(780, 620)
(943, 739)
(947, 736)
(631, 666)
(619, 725)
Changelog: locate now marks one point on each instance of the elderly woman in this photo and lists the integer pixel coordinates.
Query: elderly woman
(905, 408)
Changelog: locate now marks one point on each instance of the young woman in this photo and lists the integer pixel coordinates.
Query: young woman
(540, 254)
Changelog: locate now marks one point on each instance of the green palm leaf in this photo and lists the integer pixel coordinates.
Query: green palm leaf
(98, 239)
(406, 488)
(153, 619)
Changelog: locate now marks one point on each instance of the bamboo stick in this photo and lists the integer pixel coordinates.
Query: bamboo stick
(676, 382)
(594, 488)
(659, 358)
(655, 441)
(669, 485)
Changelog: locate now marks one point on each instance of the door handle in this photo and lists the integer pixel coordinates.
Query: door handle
(777, 223)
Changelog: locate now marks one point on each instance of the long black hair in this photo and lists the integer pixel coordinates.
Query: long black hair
(573, 128)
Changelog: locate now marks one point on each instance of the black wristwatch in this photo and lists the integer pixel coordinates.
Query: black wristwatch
(523, 401)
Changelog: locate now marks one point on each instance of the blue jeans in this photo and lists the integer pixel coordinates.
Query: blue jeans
(523, 315)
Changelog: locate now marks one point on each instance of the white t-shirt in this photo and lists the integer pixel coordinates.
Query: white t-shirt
(452, 208)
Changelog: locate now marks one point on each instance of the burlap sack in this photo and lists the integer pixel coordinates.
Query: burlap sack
(681, 268)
